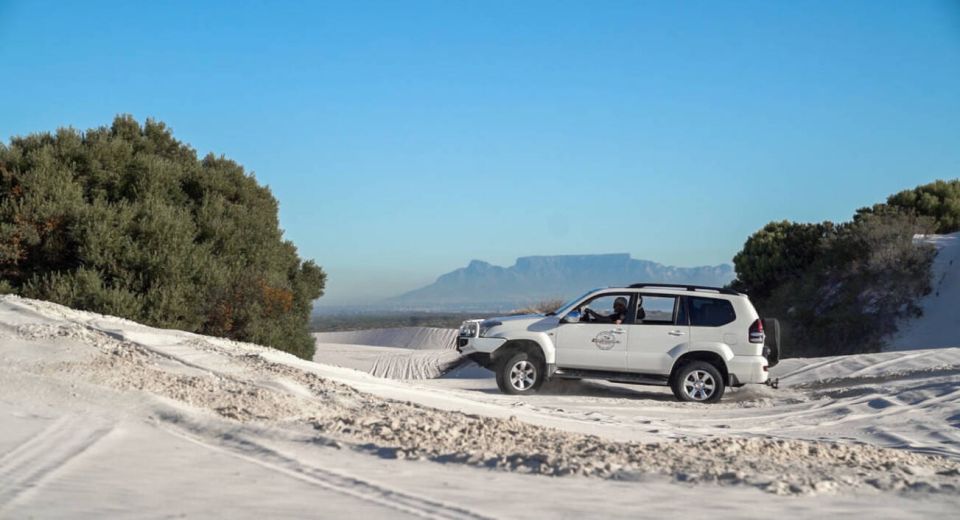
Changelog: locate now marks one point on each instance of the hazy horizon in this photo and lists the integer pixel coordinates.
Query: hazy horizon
(347, 296)
(403, 140)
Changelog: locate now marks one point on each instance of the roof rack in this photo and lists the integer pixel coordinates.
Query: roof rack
(721, 290)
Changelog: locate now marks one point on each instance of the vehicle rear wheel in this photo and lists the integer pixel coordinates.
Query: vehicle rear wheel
(698, 381)
(521, 373)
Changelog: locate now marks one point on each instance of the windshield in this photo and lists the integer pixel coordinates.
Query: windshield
(569, 305)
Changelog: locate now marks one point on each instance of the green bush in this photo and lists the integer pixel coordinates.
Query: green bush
(777, 254)
(127, 221)
(837, 289)
(939, 200)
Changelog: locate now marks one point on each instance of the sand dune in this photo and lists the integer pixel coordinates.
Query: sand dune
(416, 338)
(395, 353)
(105, 417)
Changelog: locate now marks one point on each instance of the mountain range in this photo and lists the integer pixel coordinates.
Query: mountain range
(481, 285)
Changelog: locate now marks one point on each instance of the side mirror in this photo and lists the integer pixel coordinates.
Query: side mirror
(572, 317)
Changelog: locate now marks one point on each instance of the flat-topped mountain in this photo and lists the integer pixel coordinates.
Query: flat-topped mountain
(481, 285)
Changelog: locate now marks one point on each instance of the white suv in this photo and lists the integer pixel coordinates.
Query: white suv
(697, 340)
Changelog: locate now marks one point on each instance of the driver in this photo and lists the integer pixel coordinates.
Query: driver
(617, 316)
(619, 311)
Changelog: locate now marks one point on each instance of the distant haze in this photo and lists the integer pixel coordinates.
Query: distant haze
(483, 286)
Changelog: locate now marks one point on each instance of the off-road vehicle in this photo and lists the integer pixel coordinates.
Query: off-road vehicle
(697, 340)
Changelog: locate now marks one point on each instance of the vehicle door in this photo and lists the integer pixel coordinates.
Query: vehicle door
(585, 342)
(660, 324)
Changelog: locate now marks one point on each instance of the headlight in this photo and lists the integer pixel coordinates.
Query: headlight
(485, 326)
(470, 329)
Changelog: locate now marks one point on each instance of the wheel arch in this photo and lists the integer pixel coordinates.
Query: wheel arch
(709, 356)
(517, 345)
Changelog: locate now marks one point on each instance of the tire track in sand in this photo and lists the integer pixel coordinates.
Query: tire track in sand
(239, 446)
(24, 467)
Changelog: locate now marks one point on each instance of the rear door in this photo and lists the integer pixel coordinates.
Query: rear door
(661, 324)
(593, 345)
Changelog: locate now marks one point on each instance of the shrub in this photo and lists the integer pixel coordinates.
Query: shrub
(939, 200)
(126, 220)
(777, 254)
(837, 289)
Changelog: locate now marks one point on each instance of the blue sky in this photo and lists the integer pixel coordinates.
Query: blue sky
(404, 139)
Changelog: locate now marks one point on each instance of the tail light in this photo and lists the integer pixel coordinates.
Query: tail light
(756, 332)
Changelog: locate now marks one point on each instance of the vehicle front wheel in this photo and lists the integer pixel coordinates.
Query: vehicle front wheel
(698, 381)
(521, 373)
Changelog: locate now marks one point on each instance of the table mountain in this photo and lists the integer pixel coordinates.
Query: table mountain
(481, 285)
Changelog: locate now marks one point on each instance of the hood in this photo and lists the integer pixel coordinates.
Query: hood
(525, 321)
(517, 319)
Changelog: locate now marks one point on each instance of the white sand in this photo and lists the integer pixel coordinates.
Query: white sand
(940, 324)
(104, 417)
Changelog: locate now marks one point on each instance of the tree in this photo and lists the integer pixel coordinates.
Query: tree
(939, 200)
(837, 289)
(777, 254)
(126, 220)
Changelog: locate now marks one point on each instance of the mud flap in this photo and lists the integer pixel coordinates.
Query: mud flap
(771, 348)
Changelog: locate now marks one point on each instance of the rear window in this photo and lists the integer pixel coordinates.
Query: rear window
(710, 312)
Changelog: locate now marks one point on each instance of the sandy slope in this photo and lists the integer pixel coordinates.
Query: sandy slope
(940, 324)
(395, 353)
(101, 416)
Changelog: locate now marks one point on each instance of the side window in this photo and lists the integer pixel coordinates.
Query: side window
(656, 310)
(710, 312)
(605, 308)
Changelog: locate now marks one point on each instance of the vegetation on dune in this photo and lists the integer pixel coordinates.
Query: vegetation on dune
(126, 220)
(541, 307)
(939, 200)
(842, 288)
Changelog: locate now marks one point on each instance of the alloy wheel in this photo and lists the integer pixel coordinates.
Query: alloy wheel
(522, 375)
(699, 385)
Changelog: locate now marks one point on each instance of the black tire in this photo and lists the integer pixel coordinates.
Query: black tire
(705, 384)
(520, 374)
(497, 369)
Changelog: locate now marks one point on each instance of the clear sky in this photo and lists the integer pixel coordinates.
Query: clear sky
(404, 139)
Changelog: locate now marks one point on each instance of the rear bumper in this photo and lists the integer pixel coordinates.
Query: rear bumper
(748, 370)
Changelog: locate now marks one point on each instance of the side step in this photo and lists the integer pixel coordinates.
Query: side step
(616, 377)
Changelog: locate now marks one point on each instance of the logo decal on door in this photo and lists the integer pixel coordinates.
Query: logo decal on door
(605, 340)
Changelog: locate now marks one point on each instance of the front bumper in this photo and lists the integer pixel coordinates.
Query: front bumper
(748, 369)
(470, 345)
(479, 350)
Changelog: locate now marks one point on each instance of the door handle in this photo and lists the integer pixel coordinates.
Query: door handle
(617, 331)
(676, 333)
